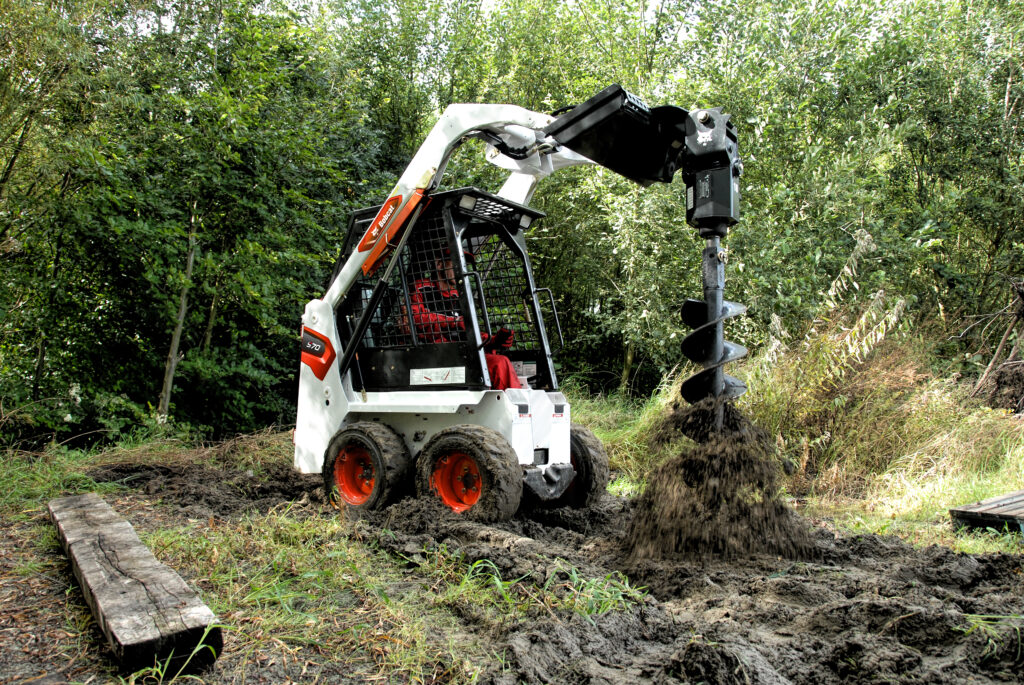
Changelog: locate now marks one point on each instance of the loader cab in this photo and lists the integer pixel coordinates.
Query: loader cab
(462, 276)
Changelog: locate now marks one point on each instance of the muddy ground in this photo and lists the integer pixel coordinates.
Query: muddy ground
(862, 609)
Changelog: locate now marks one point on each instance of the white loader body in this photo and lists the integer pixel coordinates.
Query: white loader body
(536, 423)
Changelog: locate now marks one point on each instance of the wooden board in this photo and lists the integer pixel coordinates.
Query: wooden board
(147, 612)
(997, 512)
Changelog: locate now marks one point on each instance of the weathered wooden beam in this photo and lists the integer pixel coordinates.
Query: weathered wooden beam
(145, 609)
(996, 512)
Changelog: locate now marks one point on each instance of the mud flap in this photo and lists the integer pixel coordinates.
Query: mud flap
(549, 483)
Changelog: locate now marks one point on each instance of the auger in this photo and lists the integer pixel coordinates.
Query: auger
(712, 205)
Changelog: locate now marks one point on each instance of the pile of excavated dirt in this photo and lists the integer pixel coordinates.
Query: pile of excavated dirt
(720, 498)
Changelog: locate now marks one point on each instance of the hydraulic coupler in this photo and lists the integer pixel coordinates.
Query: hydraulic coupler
(712, 169)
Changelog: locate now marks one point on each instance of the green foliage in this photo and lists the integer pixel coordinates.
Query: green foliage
(175, 180)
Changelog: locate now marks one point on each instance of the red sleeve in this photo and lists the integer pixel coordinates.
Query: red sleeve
(430, 325)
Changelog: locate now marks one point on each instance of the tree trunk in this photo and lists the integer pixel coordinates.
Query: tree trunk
(43, 333)
(211, 317)
(18, 147)
(627, 368)
(163, 409)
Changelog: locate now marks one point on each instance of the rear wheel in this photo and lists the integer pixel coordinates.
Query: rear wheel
(366, 466)
(590, 461)
(473, 470)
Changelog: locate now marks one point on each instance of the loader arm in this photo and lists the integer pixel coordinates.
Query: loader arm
(532, 155)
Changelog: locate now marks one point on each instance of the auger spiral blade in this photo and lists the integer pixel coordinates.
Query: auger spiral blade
(706, 345)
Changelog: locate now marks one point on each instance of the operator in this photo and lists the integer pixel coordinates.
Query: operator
(436, 313)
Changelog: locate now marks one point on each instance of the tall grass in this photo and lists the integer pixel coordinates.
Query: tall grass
(855, 404)
(624, 426)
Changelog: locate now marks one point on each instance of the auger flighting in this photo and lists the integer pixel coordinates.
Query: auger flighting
(712, 205)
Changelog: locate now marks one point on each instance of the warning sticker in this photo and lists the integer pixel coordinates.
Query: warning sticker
(525, 368)
(440, 376)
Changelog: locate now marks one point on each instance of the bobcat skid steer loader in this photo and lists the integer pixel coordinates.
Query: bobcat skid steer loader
(427, 366)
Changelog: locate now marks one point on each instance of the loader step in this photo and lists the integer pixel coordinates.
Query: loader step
(146, 611)
(997, 512)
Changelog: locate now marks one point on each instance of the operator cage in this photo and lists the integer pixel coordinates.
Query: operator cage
(462, 276)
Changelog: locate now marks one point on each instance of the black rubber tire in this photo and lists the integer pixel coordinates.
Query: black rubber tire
(501, 476)
(590, 460)
(388, 455)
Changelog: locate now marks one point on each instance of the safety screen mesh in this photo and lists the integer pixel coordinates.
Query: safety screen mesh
(423, 301)
(506, 292)
(433, 279)
(387, 327)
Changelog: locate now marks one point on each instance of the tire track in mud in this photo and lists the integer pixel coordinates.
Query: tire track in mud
(866, 609)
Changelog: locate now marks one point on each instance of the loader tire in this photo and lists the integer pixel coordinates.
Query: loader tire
(590, 461)
(366, 467)
(473, 470)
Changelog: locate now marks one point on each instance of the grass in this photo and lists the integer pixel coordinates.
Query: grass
(999, 632)
(287, 582)
(593, 596)
(898, 451)
(500, 601)
(32, 479)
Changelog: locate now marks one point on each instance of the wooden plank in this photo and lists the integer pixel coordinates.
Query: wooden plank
(986, 504)
(972, 520)
(1017, 511)
(145, 609)
(1007, 509)
(995, 512)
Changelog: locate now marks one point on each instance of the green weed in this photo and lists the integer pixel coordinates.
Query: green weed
(161, 672)
(995, 630)
(593, 596)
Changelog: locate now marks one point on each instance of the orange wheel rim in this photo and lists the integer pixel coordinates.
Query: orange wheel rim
(354, 475)
(456, 480)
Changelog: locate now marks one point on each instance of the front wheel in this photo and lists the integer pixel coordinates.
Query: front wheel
(473, 470)
(366, 466)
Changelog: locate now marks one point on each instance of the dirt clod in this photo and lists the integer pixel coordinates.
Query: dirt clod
(719, 498)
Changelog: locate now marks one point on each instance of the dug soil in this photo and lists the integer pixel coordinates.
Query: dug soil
(789, 602)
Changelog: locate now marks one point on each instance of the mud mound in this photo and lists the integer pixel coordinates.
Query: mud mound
(720, 498)
(1008, 387)
(202, 491)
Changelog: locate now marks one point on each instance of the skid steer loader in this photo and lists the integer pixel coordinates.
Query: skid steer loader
(427, 365)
